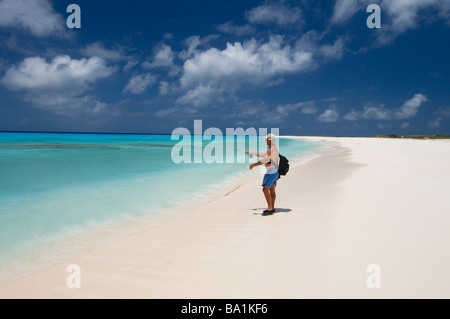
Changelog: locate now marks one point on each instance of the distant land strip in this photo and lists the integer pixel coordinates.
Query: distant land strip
(418, 137)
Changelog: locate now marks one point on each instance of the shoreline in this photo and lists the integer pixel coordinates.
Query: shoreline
(334, 219)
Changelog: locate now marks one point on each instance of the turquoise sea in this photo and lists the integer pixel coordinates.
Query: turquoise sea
(60, 190)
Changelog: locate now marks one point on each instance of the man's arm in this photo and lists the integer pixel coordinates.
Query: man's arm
(256, 154)
(260, 154)
(264, 161)
(255, 164)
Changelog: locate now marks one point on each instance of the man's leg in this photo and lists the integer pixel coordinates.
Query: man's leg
(266, 192)
(273, 195)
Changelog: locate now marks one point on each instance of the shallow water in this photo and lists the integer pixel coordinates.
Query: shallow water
(56, 187)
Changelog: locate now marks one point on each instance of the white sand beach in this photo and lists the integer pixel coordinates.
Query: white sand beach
(364, 201)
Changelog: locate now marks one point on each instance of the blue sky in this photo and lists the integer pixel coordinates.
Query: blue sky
(305, 67)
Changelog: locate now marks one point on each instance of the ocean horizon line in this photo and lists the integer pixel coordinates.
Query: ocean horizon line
(87, 133)
(119, 133)
(169, 134)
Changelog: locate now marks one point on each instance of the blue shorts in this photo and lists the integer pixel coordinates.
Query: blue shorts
(270, 179)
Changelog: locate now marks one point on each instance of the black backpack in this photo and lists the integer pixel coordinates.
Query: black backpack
(283, 166)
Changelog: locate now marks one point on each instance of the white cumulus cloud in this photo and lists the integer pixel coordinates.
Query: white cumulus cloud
(139, 83)
(211, 73)
(250, 64)
(346, 9)
(58, 85)
(62, 72)
(410, 108)
(330, 115)
(435, 123)
(285, 110)
(239, 30)
(275, 13)
(398, 16)
(163, 58)
(311, 42)
(304, 107)
(379, 111)
(98, 50)
(34, 16)
(200, 96)
(376, 112)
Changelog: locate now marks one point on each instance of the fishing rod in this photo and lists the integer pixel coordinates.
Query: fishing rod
(249, 155)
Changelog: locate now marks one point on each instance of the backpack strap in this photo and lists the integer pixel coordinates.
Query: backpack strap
(277, 166)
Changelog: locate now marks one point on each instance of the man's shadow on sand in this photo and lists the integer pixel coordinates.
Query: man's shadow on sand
(277, 210)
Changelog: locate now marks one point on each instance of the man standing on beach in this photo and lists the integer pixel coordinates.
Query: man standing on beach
(270, 160)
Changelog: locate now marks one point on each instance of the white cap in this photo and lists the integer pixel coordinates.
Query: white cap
(271, 137)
